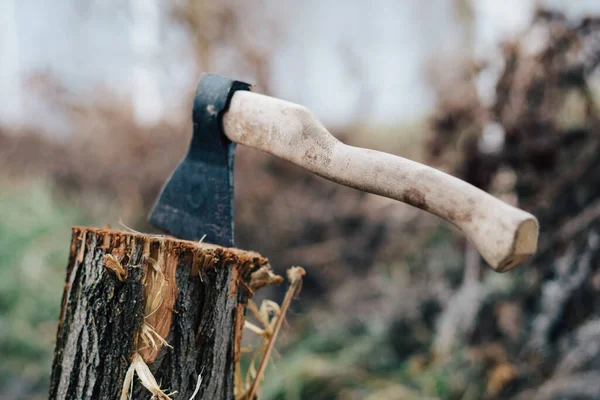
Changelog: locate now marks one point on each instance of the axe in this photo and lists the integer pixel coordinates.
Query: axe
(197, 201)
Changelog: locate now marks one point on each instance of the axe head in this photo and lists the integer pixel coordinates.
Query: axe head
(197, 201)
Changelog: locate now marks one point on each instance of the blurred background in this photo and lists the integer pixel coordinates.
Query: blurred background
(95, 107)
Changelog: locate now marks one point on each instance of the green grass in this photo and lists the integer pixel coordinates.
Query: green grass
(34, 244)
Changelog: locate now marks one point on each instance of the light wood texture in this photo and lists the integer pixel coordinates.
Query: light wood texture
(503, 235)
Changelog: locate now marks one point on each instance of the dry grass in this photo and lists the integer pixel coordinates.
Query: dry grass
(271, 317)
(138, 366)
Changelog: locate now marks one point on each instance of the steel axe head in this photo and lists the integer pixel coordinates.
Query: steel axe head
(197, 201)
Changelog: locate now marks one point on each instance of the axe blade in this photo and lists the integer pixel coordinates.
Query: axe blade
(197, 200)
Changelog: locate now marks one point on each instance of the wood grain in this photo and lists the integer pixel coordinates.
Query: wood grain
(503, 235)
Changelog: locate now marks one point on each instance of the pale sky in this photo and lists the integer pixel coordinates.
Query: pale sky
(129, 48)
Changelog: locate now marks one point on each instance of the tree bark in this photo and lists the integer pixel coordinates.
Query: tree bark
(178, 305)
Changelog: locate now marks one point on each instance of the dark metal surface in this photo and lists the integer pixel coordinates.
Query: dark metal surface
(198, 198)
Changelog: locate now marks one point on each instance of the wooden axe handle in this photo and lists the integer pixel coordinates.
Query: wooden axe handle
(503, 235)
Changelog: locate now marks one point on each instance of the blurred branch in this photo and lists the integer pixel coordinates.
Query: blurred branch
(353, 63)
(464, 11)
(234, 25)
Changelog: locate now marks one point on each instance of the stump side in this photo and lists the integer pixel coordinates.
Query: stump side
(128, 293)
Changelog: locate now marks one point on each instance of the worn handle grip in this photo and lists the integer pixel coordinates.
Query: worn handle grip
(503, 235)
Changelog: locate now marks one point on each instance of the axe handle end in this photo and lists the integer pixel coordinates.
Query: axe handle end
(503, 235)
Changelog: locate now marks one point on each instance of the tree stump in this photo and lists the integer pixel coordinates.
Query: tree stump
(134, 300)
